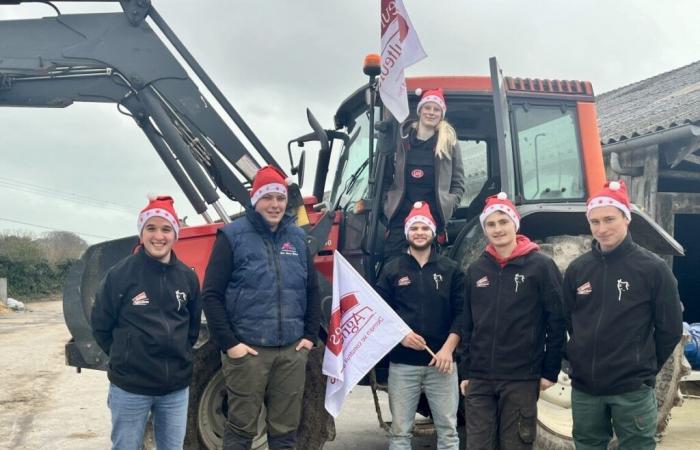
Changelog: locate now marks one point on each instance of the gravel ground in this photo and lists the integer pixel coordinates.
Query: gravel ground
(46, 405)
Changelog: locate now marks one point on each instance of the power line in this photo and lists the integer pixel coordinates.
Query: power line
(53, 229)
(62, 195)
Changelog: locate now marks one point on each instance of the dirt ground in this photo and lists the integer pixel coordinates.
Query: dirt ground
(46, 405)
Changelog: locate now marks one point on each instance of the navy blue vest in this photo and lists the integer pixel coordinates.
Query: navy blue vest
(266, 294)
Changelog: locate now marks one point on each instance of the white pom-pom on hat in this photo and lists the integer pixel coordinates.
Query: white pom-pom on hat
(502, 196)
(289, 181)
(417, 204)
(419, 92)
(614, 185)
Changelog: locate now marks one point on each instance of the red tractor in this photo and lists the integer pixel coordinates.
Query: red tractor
(535, 139)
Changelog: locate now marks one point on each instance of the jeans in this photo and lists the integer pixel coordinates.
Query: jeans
(632, 415)
(130, 413)
(405, 385)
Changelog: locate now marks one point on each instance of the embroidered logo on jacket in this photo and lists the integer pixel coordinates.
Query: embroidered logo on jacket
(584, 289)
(403, 281)
(437, 278)
(140, 299)
(181, 298)
(288, 249)
(483, 282)
(518, 280)
(622, 286)
(417, 173)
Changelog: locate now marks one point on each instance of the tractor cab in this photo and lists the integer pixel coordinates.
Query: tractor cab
(537, 140)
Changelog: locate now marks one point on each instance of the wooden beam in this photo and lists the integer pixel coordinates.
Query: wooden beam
(680, 175)
(679, 154)
(693, 158)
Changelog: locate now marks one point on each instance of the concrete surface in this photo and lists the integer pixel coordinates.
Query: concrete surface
(46, 405)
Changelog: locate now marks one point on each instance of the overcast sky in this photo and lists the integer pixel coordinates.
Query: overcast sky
(275, 58)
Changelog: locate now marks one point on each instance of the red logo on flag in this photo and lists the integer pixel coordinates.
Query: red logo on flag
(335, 339)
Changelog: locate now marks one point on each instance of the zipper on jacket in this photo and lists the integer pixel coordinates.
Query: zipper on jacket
(600, 319)
(495, 321)
(163, 295)
(436, 171)
(275, 262)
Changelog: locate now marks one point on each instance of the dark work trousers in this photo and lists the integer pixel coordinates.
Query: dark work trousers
(274, 377)
(501, 414)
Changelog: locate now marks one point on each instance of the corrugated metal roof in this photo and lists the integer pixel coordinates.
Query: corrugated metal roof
(665, 101)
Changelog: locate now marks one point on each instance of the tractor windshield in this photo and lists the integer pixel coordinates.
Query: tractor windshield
(548, 151)
(351, 177)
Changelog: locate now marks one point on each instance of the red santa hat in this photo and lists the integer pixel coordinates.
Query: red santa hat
(614, 193)
(160, 206)
(419, 213)
(268, 179)
(432, 95)
(500, 203)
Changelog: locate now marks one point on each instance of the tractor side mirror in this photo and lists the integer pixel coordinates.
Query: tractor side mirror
(299, 168)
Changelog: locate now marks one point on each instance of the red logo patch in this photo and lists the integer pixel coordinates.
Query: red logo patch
(417, 173)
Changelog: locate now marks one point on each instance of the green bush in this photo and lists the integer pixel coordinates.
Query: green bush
(29, 273)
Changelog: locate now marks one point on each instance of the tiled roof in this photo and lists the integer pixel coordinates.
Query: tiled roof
(665, 101)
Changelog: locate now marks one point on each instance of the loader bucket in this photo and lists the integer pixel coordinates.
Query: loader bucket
(79, 290)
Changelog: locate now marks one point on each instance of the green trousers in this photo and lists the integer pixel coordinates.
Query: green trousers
(631, 415)
(274, 377)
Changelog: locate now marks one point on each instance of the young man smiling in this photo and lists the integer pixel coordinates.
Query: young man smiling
(262, 305)
(624, 319)
(427, 291)
(513, 333)
(146, 317)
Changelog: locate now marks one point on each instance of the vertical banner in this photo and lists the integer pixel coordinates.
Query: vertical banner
(400, 49)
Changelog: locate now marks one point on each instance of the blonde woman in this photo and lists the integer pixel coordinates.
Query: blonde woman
(427, 167)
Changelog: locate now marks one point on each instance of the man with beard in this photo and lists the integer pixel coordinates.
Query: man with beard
(513, 333)
(427, 291)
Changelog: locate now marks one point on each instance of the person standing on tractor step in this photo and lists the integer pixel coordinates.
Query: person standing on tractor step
(262, 306)
(428, 167)
(146, 317)
(624, 318)
(513, 335)
(427, 292)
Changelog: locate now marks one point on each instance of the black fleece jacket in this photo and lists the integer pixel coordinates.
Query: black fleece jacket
(624, 318)
(146, 317)
(429, 299)
(513, 328)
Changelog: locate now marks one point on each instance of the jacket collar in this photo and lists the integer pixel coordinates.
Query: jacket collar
(624, 248)
(431, 259)
(152, 263)
(259, 224)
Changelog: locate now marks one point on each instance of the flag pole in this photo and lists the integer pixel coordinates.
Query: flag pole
(427, 349)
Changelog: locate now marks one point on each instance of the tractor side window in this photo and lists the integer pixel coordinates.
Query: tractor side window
(474, 156)
(549, 154)
(351, 179)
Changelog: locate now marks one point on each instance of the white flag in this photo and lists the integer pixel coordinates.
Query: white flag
(362, 331)
(400, 49)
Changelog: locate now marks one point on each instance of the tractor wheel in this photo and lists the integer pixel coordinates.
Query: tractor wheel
(212, 412)
(316, 426)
